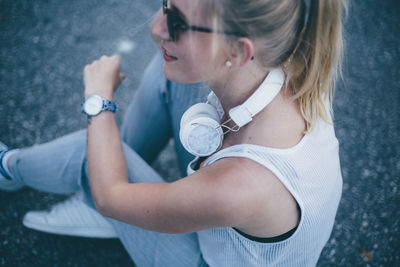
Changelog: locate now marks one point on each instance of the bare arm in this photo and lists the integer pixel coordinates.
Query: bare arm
(226, 193)
(104, 146)
(102, 77)
(179, 207)
(197, 202)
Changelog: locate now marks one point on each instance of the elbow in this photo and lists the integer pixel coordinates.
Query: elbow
(102, 205)
(105, 199)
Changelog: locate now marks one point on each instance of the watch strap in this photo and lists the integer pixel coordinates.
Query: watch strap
(105, 105)
(109, 105)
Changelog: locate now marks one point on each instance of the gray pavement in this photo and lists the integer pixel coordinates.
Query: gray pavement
(44, 45)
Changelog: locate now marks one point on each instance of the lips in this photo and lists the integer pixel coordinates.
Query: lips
(167, 56)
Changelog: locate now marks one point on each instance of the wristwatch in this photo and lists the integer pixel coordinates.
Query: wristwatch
(94, 104)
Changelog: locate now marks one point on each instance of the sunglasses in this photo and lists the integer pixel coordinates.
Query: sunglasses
(177, 24)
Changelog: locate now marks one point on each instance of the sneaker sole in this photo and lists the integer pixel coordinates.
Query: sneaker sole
(73, 231)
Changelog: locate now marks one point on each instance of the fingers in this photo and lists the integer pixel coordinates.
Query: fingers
(113, 58)
(103, 76)
(113, 62)
(116, 59)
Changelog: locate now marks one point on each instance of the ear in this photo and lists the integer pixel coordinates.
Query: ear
(242, 51)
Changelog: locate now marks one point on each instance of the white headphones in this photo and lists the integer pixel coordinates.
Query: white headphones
(201, 131)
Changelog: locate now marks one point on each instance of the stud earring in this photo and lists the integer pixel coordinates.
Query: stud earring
(228, 64)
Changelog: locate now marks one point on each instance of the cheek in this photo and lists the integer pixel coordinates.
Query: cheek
(195, 63)
(199, 67)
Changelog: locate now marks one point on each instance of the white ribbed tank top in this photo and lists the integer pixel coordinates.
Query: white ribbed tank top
(311, 172)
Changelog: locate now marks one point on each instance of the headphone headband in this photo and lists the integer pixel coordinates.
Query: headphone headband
(264, 94)
(201, 130)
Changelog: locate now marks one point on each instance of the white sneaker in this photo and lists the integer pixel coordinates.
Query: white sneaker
(5, 183)
(70, 217)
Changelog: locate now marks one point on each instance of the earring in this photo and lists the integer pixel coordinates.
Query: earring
(228, 64)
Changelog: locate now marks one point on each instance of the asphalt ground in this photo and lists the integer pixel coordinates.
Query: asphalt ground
(45, 44)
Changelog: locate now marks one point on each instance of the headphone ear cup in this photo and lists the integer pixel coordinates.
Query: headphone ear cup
(200, 110)
(201, 132)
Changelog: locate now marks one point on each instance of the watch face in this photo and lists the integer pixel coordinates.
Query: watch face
(93, 105)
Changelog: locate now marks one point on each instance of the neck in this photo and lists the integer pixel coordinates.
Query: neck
(278, 125)
(238, 85)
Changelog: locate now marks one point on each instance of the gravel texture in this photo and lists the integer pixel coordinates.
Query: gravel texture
(45, 44)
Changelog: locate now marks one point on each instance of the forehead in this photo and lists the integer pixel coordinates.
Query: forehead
(191, 9)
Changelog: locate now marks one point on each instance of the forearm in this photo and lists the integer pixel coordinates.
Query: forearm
(111, 192)
(107, 167)
(106, 162)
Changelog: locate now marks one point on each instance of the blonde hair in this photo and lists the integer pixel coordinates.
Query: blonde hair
(310, 54)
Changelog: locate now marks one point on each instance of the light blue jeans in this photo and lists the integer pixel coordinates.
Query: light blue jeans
(152, 119)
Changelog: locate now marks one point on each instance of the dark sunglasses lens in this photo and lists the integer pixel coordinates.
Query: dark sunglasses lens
(172, 29)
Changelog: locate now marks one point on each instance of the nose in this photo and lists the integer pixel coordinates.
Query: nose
(159, 28)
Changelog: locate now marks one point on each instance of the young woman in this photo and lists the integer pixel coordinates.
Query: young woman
(269, 194)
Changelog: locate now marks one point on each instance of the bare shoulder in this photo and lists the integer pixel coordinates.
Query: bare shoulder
(231, 192)
(246, 176)
(263, 205)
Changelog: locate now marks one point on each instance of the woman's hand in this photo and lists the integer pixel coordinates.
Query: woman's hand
(103, 77)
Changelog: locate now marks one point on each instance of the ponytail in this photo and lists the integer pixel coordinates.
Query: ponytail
(314, 66)
(308, 47)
